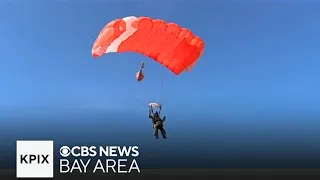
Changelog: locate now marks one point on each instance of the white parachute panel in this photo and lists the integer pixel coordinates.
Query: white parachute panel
(155, 105)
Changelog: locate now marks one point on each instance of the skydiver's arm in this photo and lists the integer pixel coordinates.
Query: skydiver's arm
(150, 115)
(164, 118)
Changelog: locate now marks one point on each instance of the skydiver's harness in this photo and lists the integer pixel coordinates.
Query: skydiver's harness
(154, 119)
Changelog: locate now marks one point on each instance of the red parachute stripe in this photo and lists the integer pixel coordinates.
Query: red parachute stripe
(172, 46)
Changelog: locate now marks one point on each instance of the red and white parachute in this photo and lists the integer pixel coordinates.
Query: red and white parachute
(170, 45)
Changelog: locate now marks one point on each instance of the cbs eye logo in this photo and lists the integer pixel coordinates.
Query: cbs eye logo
(65, 151)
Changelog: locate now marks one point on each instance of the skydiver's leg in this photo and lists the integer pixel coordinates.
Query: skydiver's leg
(163, 132)
(156, 132)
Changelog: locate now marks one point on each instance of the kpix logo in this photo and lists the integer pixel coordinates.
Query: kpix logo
(34, 159)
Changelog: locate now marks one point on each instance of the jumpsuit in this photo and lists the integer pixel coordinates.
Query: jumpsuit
(158, 125)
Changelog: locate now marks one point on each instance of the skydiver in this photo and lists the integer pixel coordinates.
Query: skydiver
(139, 74)
(157, 124)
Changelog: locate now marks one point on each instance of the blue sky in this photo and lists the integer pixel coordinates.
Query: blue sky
(259, 57)
(254, 91)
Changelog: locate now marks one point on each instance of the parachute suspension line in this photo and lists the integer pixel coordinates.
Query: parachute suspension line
(161, 94)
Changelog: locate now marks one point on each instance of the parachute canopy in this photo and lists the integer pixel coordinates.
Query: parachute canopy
(174, 47)
(155, 105)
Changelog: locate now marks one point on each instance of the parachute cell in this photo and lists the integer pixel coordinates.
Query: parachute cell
(170, 45)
